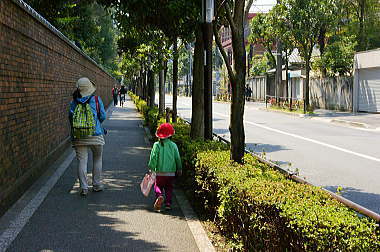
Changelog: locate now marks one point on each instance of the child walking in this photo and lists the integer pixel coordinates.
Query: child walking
(165, 161)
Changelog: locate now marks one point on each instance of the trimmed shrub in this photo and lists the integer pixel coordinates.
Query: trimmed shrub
(259, 209)
(150, 115)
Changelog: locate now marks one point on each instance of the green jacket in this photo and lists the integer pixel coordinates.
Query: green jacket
(165, 158)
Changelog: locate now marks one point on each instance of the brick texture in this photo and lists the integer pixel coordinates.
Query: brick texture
(38, 71)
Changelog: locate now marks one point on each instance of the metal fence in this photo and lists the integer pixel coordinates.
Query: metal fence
(284, 102)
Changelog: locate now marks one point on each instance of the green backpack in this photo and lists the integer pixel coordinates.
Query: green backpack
(83, 121)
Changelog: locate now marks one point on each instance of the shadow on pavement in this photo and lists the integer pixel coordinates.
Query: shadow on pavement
(118, 219)
(67, 222)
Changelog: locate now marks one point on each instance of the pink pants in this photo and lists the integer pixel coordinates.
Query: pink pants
(164, 183)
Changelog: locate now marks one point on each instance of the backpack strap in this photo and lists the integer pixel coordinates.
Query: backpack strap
(97, 106)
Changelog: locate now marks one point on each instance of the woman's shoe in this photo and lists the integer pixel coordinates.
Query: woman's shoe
(83, 192)
(98, 188)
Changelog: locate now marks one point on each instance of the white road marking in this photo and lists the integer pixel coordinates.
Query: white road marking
(304, 138)
(308, 139)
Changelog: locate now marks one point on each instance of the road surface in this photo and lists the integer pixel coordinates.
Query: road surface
(325, 154)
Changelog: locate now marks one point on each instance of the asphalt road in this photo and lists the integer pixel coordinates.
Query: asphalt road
(325, 154)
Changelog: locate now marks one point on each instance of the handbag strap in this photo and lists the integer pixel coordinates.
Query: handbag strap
(97, 106)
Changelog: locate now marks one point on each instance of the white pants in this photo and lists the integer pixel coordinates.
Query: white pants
(82, 156)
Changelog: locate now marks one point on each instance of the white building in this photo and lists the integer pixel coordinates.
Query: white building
(366, 93)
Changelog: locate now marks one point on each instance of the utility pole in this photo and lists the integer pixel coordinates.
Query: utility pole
(208, 14)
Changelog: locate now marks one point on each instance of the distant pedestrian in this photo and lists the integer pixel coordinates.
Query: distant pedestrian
(86, 115)
(115, 92)
(248, 92)
(166, 162)
(122, 93)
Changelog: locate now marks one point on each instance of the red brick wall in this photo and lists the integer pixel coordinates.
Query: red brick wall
(38, 71)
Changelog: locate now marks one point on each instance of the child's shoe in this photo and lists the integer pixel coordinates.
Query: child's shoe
(158, 203)
(168, 208)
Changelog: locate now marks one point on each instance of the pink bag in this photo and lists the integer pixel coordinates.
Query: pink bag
(147, 182)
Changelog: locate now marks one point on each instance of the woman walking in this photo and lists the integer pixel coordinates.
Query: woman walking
(86, 115)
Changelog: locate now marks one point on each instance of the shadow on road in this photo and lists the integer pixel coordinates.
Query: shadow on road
(264, 148)
(221, 131)
(368, 200)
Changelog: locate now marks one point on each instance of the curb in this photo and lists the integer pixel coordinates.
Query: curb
(350, 123)
(18, 215)
(192, 220)
(286, 113)
(14, 220)
(196, 228)
(329, 120)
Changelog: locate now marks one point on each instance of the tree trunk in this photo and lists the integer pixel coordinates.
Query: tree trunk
(144, 86)
(197, 118)
(278, 72)
(238, 85)
(165, 76)
(175, 80)
(287, 82)
(151, 89)
(362, 43)
(322, 45)
(287, 76)
(141, 84)
(161, 103)
(207, 37)
(306, 91)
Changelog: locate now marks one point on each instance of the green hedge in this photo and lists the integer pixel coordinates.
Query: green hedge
(150, 114)
(258, 209)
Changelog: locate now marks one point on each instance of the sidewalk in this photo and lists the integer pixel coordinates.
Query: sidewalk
(118, 219)
(358, 120)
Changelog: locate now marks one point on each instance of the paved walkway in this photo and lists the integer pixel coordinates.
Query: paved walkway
(369, 121)
(117, 219)
(361, 120)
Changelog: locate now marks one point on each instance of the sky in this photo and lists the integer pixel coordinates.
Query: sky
(262, 6)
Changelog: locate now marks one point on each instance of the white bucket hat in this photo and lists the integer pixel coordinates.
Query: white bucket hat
(85, 86)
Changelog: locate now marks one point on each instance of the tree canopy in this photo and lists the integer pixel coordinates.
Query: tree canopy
(89, 25)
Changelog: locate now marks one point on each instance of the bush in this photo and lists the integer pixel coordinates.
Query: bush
(259, 209)
(150, 115)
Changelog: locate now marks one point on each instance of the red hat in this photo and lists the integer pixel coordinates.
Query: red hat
(165, 130)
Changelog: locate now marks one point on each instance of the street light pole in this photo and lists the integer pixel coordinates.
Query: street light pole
(208, 14)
